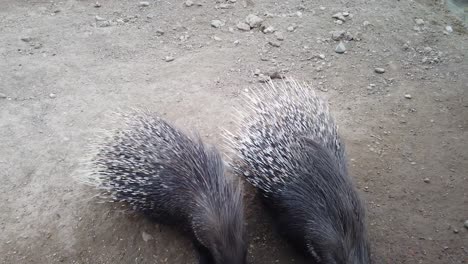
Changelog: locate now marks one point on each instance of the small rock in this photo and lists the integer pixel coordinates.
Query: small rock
(2, 96)
(263, 78)
(159, 32)
(339, 16)
(339, 22)
(274, 43)
(322, 8)
(97, 5)
(455, 231)
(341, 48)
(149, 16)
(26, 39)
(188, 3)
(466, 224)
(345, 14)
(105, 24)
(98, 18)
(419, 21)
(279, 36)
(146, 237)
(348, 36)
(224, 6)
(217, 38)
(291, 28)
(243, 26)
(257, 72)
(217, 23)
(321, 56)
(426, 180)
(366, 23)
(144, 4)
(253, 21)
(449, 29)
(269, 30)
(236, 42)
(379, 70)
(338, 35)
(408, 96)
(52, 95)
(169, 58)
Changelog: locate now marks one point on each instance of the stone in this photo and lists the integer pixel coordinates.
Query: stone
(52, 95)
(449, 29)
(144, 4)
(26, 39)
(341, 48)
(97, 5)
(2, 96)
(269, 30)
(279, 36)
(408, 96)
(427, 180)
(338, 35)
(274, 44)
(146, 237)
(217, 23)
(243, 26)
(379, 70)
(419, 21)
(253, 21)
(159, 32)
(98, 18)
(466, 224)
(188, 3)
(169, 58)
(339, 16)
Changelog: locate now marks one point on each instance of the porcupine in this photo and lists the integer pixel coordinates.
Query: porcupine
(288, 147)
(175, 179)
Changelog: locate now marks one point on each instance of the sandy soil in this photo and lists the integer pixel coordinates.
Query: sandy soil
(61, 71)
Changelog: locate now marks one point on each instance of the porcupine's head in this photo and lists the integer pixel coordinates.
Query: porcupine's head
(218, 221)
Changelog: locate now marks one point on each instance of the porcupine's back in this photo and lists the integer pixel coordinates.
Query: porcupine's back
(270, 131)
(156, 168)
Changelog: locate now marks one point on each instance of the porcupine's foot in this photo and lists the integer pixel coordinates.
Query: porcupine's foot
(204, 255)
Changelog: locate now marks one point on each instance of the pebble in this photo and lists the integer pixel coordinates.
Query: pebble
(345, 14)
(243, 26)
(466, 224)
(98, 18)
(426, 180)
(408, 96)
(321, 56)
(419, 21)
(338, 35)
(146, 237)
(217, 23)
(279, 36)
(105, 24)
(366, 23)
(26, 39)
(339, 16)
(274, 44)
(97, 5)
(341, 48)
(455, 231)
(188, 3)
(144, 4)
(253, 21)
(291, 28)
(159, 32)
(52, 95)
(449, 29)
(379, 70)
(217, 38)
(2, 95)
(169, 58)
(322, 8)
(269, 30)
(339, 22)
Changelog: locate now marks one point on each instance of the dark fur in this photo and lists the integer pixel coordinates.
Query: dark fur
(289, 149)
(175, 179)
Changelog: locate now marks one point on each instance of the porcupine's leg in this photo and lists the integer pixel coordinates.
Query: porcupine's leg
(204, 255)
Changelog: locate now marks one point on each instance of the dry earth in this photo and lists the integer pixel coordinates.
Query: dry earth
(61, 70)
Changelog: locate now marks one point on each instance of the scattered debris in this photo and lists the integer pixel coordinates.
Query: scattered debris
(253, 21)
(217, 23)
(379, 70)
(341, 48)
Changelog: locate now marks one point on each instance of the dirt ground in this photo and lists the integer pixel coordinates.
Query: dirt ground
(62, 68)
